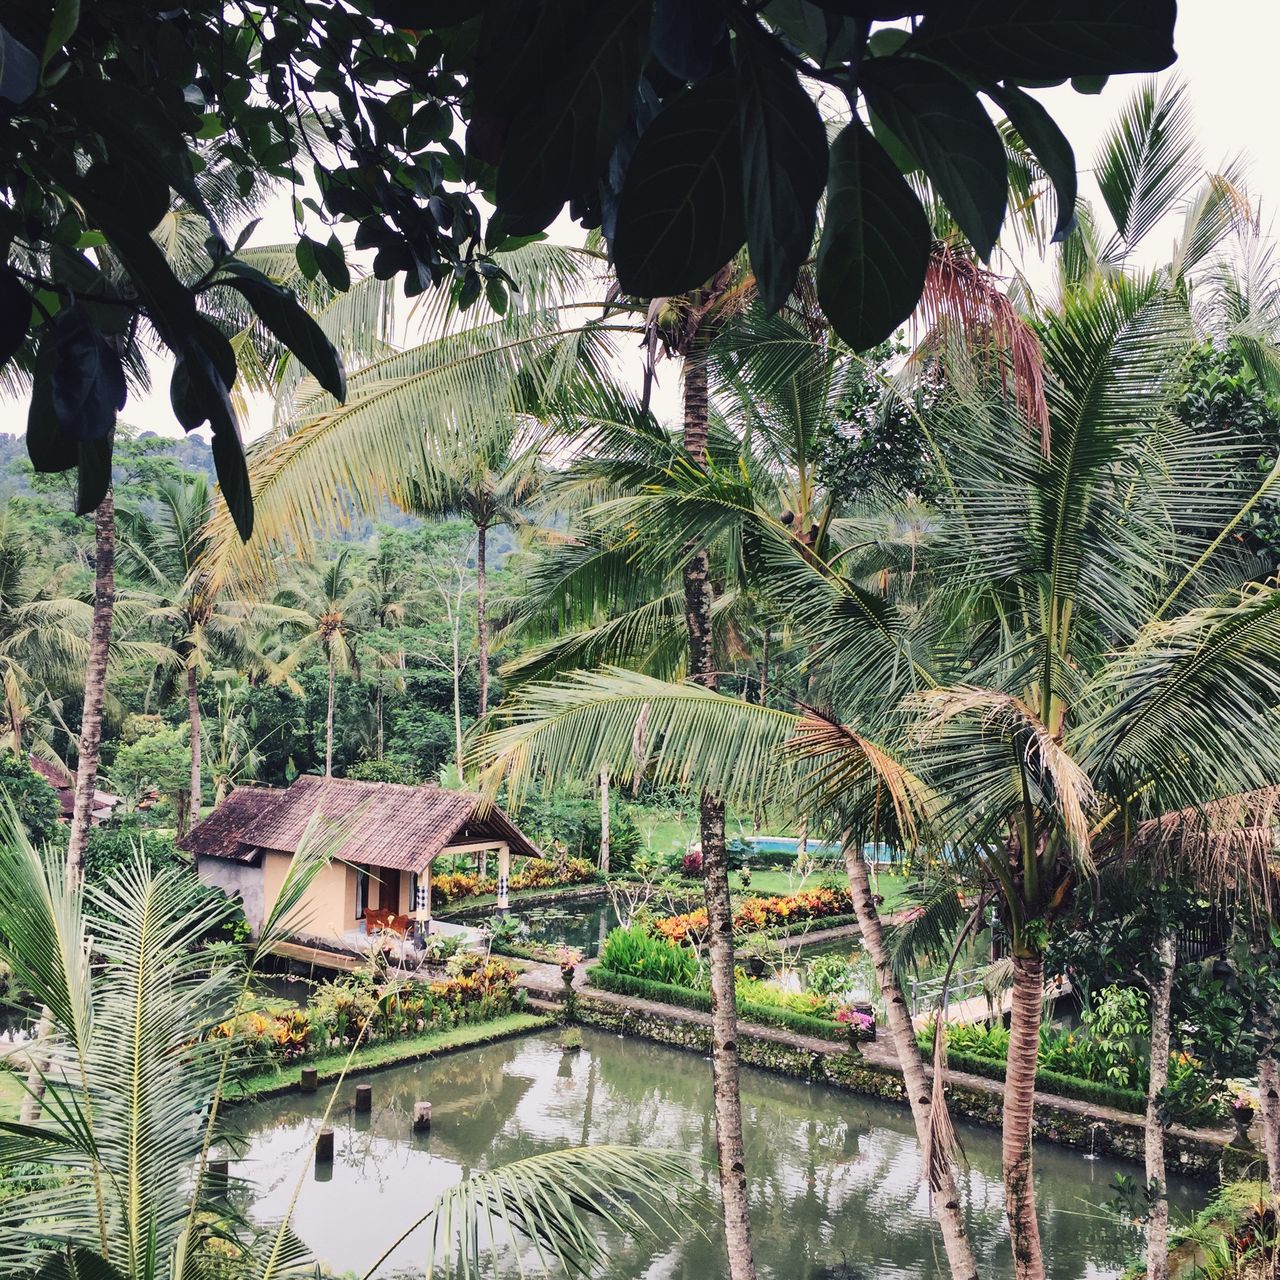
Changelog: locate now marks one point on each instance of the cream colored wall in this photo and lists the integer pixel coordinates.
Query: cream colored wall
(328, 908)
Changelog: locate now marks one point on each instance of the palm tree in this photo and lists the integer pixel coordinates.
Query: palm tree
(164, 552)
(233, 755)
(489, 482)
(327, 611)
(387, 586)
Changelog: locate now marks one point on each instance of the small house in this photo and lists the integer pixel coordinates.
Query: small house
(63, 781)
(378, 877)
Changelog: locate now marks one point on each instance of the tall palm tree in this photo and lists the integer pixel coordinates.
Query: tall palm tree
(489, 481)
(388, 589)
(164, 553)
(627, 556)
(327, 611)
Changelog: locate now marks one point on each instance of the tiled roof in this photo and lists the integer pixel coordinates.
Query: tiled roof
(394, 826)
(218, 836)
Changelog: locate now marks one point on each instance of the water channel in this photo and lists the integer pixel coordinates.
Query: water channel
(835, 1192)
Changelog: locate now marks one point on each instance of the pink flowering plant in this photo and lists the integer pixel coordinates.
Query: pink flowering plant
(860, 1025)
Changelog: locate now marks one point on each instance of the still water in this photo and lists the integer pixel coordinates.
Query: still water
(835, 1192)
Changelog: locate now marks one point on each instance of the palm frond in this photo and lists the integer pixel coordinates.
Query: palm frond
(693, 737)
(557, 1204)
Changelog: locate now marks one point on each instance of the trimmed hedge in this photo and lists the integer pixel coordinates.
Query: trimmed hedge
(685, 998)
(1052, 1082)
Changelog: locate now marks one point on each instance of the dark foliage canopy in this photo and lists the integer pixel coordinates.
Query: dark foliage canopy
(682, 129)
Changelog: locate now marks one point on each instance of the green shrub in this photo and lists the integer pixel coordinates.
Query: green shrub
(830, 975)
(116, 844)
(688, 998)
(34, 799)
(756, 993)
(383, 771)
(638, 954)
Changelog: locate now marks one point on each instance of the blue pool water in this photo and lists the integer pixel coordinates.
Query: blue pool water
(878, 853)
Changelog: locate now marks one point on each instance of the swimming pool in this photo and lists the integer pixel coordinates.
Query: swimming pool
(881, 854)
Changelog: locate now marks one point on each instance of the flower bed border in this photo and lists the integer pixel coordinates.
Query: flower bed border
(624, 984)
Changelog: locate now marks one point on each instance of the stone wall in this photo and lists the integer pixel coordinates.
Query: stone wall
(1108, 1135)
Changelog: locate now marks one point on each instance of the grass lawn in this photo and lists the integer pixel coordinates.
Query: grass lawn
(11, 1095)
(390, 1052)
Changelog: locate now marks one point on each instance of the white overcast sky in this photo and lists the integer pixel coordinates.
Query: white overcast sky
(1227, 55)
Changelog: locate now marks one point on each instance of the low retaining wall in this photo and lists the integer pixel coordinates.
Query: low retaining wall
(1103, 1134)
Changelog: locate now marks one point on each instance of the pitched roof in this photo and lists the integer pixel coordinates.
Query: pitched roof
(392, 825)
(218, 836)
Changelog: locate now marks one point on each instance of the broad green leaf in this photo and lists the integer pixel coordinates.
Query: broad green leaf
(681, 217)
(233, 479)
(1048, 39)
(286, 318)
(875, 242)
(62, 26)
(784, 167)
(305, 253)
(332, 261)
(15, 314)
(19, 69)
(93, 474)
(686, 37)
(88, 380)
(48, 447)
(944, 125)
(559, 143)
(1050, 147)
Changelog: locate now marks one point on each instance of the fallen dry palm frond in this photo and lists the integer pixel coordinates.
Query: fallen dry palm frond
(1228, 842)
(963, 300)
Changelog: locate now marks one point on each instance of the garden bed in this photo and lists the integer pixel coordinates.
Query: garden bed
(689, 998)
(387, 1053)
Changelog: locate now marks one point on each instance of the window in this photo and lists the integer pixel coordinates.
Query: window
(362, 893)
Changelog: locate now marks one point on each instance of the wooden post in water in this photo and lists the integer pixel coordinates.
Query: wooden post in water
(324, 1147)
(310, 1080)
(421, 1117)
(364, 1098)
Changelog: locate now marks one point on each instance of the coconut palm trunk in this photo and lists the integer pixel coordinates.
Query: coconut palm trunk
(328, 719)
(946, 1200)
(482, 618)
(1269, 1115)
(604, 820)
(95, 690)
(1161, 1002)
(1019, 1115)
(193, 720)
(725, 1073)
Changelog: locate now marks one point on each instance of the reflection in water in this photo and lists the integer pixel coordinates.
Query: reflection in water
(582, 926)
(835, 1192)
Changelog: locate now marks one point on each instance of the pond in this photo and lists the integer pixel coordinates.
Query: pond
(835, 1191)
(580, 925)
